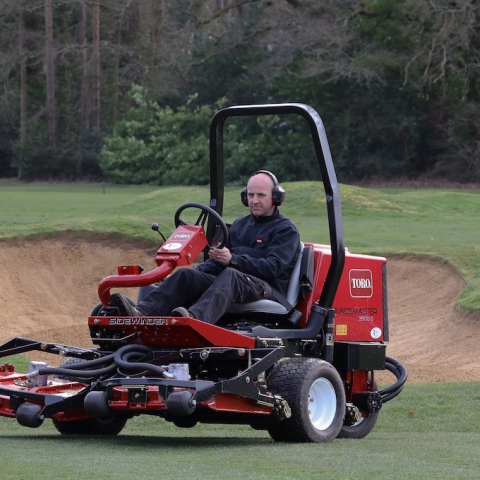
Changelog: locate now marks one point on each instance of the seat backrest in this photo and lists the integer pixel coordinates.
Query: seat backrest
(295, 284)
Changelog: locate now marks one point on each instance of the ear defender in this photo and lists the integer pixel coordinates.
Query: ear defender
(278, 193)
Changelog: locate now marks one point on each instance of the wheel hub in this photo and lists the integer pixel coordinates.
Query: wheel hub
(322, 403)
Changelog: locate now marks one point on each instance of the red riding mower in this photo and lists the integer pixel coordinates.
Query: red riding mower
(304, 374)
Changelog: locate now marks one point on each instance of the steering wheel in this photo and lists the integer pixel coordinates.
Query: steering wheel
(202, 218)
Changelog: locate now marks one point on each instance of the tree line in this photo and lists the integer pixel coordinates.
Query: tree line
(124, 89)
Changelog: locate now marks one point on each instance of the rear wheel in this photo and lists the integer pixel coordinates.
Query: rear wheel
(362, 428)
(315, 393)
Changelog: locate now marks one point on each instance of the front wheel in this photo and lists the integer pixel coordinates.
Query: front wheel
(316, 396)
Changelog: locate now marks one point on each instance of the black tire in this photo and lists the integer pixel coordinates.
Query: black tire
(185, 422)
(96, 310)
(99, 310)
(259, 425)
(360, 429)
(92, 426)
(316, 396)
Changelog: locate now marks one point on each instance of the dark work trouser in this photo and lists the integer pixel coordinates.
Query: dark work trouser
(206, 296)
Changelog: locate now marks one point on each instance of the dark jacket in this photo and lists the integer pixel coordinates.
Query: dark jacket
(266, 247)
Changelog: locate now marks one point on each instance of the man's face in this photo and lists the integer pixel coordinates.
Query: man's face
(259, 195)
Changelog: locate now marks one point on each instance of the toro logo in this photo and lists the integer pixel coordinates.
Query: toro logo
(182, 236)
(361, 285)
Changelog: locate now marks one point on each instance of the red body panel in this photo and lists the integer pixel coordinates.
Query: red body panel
(18, 381)
(359, 302)
(172, 332)
(180, 249)
(153, 401)
(224, 402)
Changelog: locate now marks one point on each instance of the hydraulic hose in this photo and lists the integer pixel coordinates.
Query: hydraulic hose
(123, 359)
(400, 373)
(91, 363)
(123, 356)
(83, 369)
(78, 373)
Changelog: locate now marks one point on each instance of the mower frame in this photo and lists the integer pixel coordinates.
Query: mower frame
(310, 381)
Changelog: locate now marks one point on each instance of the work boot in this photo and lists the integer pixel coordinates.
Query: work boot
(124, 306)
(181, 312)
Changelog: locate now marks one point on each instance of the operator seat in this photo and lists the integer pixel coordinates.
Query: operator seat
(300, 281)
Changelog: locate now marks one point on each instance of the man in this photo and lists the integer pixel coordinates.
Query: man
(256, 263)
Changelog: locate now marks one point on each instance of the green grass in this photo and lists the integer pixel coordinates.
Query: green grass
(440, 223)
(427, 432)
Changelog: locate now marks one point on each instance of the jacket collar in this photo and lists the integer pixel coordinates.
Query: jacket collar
(265, 218)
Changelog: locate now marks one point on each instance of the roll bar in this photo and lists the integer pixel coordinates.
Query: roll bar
(327, 170)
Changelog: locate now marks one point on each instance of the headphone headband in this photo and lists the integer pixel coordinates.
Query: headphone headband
(270, 174)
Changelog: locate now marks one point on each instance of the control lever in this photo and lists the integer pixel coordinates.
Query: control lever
(156, 228)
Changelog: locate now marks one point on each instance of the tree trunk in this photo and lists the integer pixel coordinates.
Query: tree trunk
(157, 18)
(95, 113)
(23, 83)
(82, 81)
(50, 78)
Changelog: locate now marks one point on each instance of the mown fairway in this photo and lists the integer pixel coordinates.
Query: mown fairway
(430, 431)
